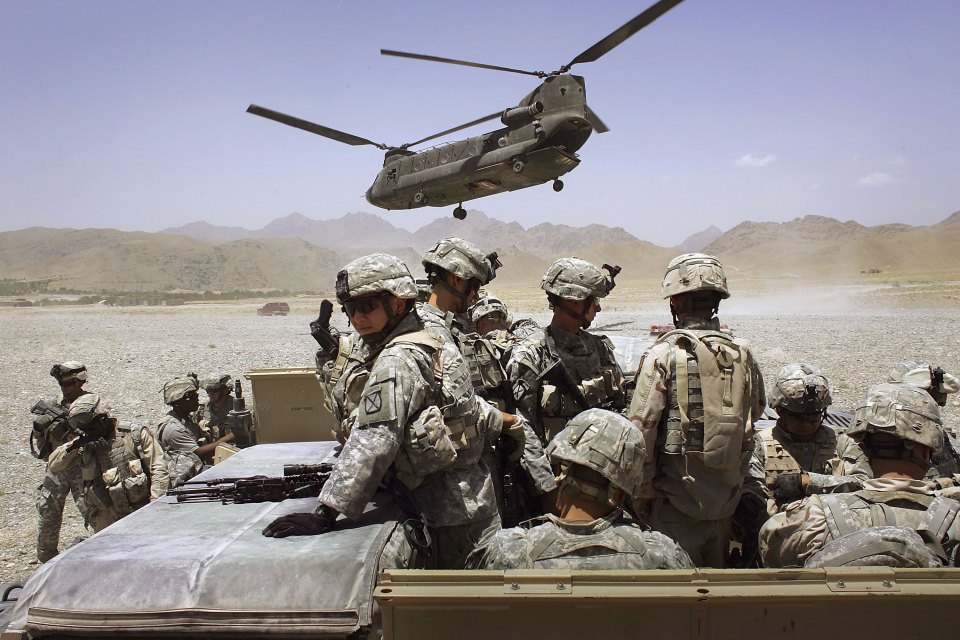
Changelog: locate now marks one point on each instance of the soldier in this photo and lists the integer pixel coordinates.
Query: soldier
(214, 414)
(698, 394)
(599, 459)
(563, 370)
(456, 269)
(122, 467)
(939, 384)
(50, 434)
(187, 445)
(897, 426)
(489, 315)
(800, 456)
(414, 420)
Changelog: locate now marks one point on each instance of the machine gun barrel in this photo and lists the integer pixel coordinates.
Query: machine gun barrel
(288, 470)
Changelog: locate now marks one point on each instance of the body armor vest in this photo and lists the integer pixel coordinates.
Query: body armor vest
(785, 456)
(710, 398)
(114, 476)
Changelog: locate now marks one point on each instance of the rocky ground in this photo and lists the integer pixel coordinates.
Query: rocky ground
(130, 352)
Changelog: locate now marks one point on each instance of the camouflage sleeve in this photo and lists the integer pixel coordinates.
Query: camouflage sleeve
(176, 438)
(756, 479)
(393, 395)
(61, 459)
(791, 536)
(522, 371)
(535, 462)
(649, 401)
(850, 467)
(152, 458)
(490, 423)
(508, 549)
(664, 553)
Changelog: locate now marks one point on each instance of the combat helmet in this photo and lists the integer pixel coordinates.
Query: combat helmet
(599, 451)
(576, 279)
(175, 390)
(84, 409)
(903, 411)
(69, 370)
(375, 273)
(486, 306)
(694, 272)
(463, 259)
(215, 381)
(800, 388)
(934, 380)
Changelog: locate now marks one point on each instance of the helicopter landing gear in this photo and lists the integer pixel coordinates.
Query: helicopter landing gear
(558, 185)
(518, 165)
(460, 213)
(420, 198)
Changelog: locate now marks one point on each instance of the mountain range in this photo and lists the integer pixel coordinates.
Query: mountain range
(302, 254)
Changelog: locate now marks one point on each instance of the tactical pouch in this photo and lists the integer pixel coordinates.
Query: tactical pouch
(717, 450)
(427, 448)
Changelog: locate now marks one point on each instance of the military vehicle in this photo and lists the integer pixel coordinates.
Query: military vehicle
(537, 144)
(274, 309)
(202, 569)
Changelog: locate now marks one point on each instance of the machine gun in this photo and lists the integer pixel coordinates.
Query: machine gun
(298, 481)
(241, 419)
(40, 441)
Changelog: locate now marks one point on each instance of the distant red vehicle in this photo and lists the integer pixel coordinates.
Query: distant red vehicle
(274, 309)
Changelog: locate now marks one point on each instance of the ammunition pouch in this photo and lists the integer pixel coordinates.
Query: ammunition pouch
(427, 447)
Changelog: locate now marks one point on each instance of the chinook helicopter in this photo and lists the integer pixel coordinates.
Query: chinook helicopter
(537, 144)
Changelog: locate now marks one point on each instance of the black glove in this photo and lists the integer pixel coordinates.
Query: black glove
(88, 441)
(788, 488)
(301, 524)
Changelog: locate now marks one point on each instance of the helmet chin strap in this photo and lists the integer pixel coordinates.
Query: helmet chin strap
(561, 306)
(462, 296)
(376, 339)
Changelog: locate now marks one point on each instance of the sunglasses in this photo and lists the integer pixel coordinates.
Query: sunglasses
(362, 306)
(808, 418)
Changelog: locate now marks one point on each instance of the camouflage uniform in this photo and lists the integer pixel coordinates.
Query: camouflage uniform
(939, 384)
(179, 437)
(398, 433)
(698, 393)
(122, 470)
(57, 485)
(833, 462)
(216, 418)
(600, 456)
(902, 413)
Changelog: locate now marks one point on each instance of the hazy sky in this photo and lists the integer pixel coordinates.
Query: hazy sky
(130, 114)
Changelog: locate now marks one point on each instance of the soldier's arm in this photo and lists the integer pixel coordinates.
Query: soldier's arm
(395, 392)
(152, 458)
(851, 469)
(756, 479)
(522, 371)
(176, 438)
(649, 401)
(759, 392)
(791, 536)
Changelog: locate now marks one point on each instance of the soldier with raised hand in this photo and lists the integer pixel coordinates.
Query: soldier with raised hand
(598, 458)
(699, 392)
(939, 384)
(50, 434)
(121, 466)
(800, 456)
(414, 421)
(896, 519)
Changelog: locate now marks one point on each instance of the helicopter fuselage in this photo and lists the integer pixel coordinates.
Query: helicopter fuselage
(538, 144)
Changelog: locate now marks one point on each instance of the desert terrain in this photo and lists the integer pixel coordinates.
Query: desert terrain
(854, 332)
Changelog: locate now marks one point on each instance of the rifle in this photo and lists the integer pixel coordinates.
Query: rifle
(40, 445)
(298, 481)
(320, 330)
(562, 377)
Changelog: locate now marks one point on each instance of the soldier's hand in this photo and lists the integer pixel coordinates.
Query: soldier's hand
(301, 524)
(788, 488)
(513, 428)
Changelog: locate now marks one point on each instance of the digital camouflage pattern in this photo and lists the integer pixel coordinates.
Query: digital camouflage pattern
(604, 442)
(215, 381)
(575, 279)
(174, 390)
(488, 305)
(694, 272)
(179, 438)
(613, 542)
(876, 546)
(805, 527)
(461, 258)
(800, 388)
(901, 410)
(375, 273)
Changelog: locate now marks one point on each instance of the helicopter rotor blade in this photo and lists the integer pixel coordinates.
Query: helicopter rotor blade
(620, 35)
(465, 63)
(312, 127)
(595, 120)
(458, 128)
